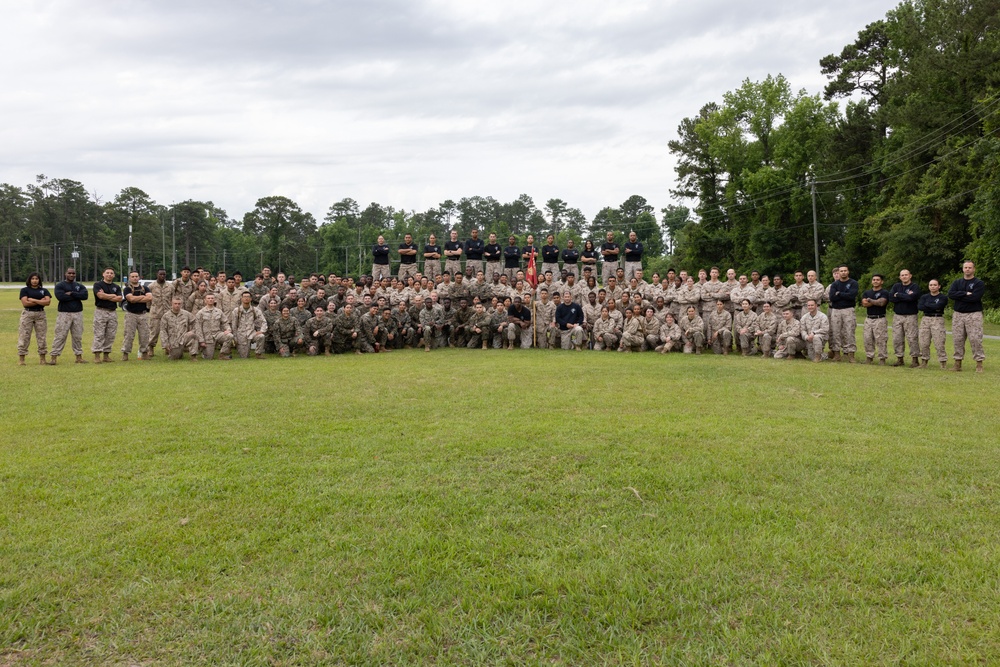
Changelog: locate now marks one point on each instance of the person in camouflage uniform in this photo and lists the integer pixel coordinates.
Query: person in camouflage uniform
(388, 331)
(670, 335)
(346, 331)
(815, 330)
(431, 325)
(651, 330)
(177, 332)
(720, 329)
(163, 294)
(271, 316)
(544, 319)
(498, 325)
(213, 328)
(405, 330)
(766, 329)
(789, 337)
(318, 333)
(286, 334)
(633, 335)
(460, 335)
(479, 328)
(745, 325)
(249, 327)
(693, 328)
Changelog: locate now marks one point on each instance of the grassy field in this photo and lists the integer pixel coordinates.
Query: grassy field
(469, 507)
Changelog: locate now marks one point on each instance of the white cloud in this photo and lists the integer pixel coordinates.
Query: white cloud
(404, 103)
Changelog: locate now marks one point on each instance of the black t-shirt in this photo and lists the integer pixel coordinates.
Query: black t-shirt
(452, 245)
(474, 249)
(528, 250)
(571, 255)
(107, 288)
(511, 257)
(609, 246)
(407, 259)
(590, 254)
(135, 308)
(432, 248)
(550, 254)
(492, 252)
(874, 295)
(33, 293)
(524, 314)
(380, 254)
(633, 251)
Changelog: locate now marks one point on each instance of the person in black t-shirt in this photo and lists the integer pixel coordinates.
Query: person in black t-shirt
(511, 259)
(407, 257)
(492, 253)
(453, 249)
(474, 249)
(69, 320)
(34, 298)
(432, 258)
(876, 331)
(932, 327)
(609, 251)
(107, 296)
(380, 259)
(570, 257)
(966, 295)
(136, 305)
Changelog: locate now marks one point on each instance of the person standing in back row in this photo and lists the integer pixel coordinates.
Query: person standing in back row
(136, 306)
(843, 322)
(876, 331)
(107, 296)
(34, 299)
(609, 254)
(633, 256)
(967, 321)
(905, 296)
(932, 327)
(69, 321)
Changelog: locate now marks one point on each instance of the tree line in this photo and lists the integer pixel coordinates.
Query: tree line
(55, 223)
(907, 175)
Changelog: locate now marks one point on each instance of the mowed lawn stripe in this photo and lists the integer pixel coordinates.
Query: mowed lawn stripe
(504, 507)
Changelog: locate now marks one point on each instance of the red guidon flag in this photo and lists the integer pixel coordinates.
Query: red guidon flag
(531, 275)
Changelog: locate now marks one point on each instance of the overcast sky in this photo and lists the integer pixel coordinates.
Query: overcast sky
(403, 102)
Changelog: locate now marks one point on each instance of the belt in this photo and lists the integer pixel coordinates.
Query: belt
(933, 314)
(876, 317)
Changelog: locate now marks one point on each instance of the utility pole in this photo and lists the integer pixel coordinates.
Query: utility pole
(163, 233)
(173, 234)
(815, 225)
(131, 261)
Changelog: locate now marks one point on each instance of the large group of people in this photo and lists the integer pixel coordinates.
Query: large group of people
(490, 296)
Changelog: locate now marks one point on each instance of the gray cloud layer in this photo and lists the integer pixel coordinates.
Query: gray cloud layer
(405, 103)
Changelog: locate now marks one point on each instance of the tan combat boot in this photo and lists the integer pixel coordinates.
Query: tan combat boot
(20, 360)
(80, 359)
(97, 357)
(869, 361)
(107, 358)
(850, 357)
(53, 360)
(979, 367)
(923, 364)
(899, 362)
(41, 360)
(958, 366)
(836, 356)
(915, 362)
(484, 343)
(818, 358)
(124, 356)
(944, 365)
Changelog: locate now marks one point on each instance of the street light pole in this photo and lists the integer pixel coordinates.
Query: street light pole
(173, 234)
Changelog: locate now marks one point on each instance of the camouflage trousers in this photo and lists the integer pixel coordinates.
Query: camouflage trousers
(478, 339)
(407, 270)
(242, 342)
(380, 271)
(136, 324)
(631, 268)
(453, 266)
(932, 330)
(105, 330)
(724, 340)
(607, 341)
(68, 324)
(792, 347)
(694, 340)
(843, 334)
(608, 270)
(632, 342)
(476, 264)
(549, 266)
(968, 325)
(671, 345)
(524, 335)
(571, 337)
(542, 336)
(876, 337)
(154, 329)
(747, 343)
(905, 330)
(188, 341)
(492, 269)
(32, 321)
(223, 339)
(285, 347)
(432, 268)
(652, 342)
(765, 341)
(814, 347)
(511, 275)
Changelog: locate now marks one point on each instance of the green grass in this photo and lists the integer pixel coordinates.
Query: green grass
(469, 507)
